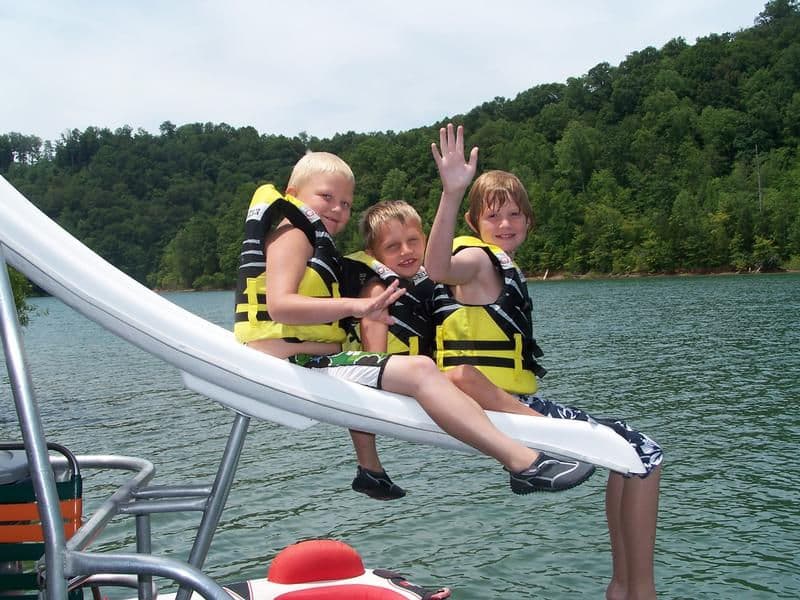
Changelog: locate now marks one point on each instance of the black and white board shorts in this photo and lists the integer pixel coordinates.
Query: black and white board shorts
(365, 368)
(650, 453)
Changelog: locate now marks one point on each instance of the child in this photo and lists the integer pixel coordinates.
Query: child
(408, 333)
(395, 246)
(480, 283)
(289, 306)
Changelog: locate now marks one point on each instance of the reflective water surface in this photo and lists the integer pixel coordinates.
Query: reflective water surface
(708, 366)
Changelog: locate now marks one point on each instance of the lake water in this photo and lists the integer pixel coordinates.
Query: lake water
(708, 366)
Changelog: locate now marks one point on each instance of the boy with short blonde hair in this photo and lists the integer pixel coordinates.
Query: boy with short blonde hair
(394, 245)
(376, 216)
(314, 163)
(479, 281)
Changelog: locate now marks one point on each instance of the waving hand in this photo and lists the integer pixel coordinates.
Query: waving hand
(456, 173)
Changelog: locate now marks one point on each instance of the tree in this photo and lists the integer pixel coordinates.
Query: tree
(19, 148)
(599, 240)
(648, 165)
(775, 10)
(167, 128)
(21, 289)
(6, 153)
(191, 254)
(765, 254)
(530, 103)
(396, 187)
(690, 235)
(576, 153)
(553, 119)
(722, 130)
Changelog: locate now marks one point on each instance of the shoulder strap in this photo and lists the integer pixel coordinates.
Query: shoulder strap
(359, 268)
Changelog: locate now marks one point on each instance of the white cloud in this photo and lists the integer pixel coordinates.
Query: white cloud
(314, 66)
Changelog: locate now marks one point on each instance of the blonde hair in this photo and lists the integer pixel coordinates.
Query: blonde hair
(492, 190)
(318, 162)
(381, 213)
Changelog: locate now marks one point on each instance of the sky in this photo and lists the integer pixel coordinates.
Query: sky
(315, 66)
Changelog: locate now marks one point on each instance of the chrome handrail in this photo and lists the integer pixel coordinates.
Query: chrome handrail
(64, 560)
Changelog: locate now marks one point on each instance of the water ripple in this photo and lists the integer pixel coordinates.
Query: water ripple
(708, 366)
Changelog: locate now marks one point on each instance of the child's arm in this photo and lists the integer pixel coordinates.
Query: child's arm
(456, 175)
(374, 332)
(288, 252)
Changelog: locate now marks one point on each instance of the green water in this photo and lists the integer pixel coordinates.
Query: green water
(708, 366)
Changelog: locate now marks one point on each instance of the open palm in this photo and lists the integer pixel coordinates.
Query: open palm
(456, 173)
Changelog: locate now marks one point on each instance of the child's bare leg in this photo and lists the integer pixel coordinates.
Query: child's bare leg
(617, 588)
(460, 416)
(490, 397)
(636, 527)
(639, 517)
(454, 411)
(366, 451)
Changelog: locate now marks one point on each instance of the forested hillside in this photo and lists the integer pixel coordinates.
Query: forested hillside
(683, 158)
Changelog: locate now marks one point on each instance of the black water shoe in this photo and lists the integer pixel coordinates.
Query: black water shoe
(550, 474)
(376, 484)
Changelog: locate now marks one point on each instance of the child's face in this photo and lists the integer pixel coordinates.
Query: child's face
(400, 246)
(330, 195)
(504, 226)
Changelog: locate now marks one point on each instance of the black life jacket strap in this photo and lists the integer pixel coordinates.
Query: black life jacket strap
(478, 361)
(478, 345)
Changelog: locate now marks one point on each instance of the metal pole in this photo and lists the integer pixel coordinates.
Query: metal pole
(143, 546)
(136, 564)
(219, 495)
(30, 424)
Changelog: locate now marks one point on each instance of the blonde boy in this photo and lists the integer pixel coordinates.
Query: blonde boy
(474, 273)
(289, 306)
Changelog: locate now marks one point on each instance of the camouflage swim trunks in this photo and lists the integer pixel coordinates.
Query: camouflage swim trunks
(365, 368)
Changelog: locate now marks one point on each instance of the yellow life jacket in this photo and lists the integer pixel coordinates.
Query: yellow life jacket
(496, 338)
(320, 279)
(412, 330)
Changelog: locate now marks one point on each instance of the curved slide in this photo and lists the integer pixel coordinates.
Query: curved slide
(246, 381)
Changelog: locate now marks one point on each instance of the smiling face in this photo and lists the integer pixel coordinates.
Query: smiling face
(400, 246)
(505, 226)
(499, 210)
(330, 195)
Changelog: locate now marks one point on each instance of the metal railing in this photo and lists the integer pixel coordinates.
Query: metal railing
(70, 563)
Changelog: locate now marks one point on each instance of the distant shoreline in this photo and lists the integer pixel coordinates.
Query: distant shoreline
(568, 276)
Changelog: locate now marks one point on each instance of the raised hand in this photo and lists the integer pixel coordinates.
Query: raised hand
(456, 173)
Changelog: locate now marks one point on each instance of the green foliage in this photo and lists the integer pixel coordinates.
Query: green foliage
(679, 158)
(21, 289)
(396, 185)
(577, 152)
(765, 254)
